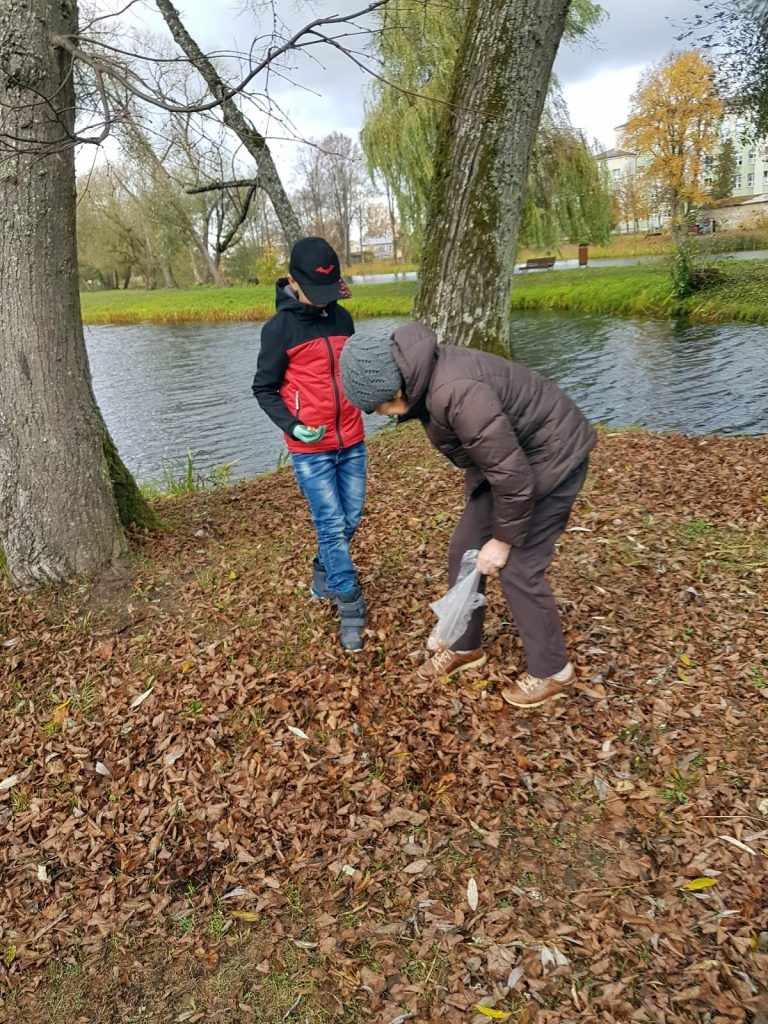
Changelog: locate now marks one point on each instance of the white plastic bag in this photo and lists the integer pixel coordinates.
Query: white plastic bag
(454, 609)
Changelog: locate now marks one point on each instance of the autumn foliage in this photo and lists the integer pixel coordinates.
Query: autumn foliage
(674, 121)
(210, 812)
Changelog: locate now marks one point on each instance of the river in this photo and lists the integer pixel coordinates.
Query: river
(166, 391)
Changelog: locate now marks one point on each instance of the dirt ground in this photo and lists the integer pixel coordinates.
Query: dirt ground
(210, 812)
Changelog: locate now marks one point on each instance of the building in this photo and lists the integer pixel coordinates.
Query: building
(370, 249)
(751, 173)
(633, 212)
(750, 180)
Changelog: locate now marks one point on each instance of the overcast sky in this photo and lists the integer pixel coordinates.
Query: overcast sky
(598, 80)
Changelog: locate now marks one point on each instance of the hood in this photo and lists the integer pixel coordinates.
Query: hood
(414, 347)
(286, 298)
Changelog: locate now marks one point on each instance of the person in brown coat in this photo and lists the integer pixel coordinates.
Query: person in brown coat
(524, 446)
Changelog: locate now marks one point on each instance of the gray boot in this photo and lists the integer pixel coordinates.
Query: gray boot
(318, 586)
(351, 618)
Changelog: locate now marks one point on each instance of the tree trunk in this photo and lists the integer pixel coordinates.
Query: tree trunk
(132, 507)
(392, 223)
(481, 169)
(167, 269)
(58, 516)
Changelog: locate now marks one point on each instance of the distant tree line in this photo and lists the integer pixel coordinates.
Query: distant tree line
(158, 216)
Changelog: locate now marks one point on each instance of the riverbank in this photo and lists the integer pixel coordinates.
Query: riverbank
(736, 293)
(210, 811)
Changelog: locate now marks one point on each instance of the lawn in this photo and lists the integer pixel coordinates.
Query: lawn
(736, 291)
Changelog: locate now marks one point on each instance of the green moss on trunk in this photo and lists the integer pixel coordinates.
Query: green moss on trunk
(133, 508)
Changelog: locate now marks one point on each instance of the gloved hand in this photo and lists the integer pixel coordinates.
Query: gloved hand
(308, 435)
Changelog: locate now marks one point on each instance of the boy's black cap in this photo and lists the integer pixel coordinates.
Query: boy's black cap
(315, 265)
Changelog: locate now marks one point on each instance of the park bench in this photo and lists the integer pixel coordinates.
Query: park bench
(539, 263)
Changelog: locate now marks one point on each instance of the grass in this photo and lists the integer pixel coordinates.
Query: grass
(208, 304)
(183, 477)
(735, 292)
(738, 293)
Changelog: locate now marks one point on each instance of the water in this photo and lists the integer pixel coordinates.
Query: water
(398, 275)
(568, 264)
(165, 391)
(694, 379)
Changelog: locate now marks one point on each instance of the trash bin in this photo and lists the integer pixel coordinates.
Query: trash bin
(583, 254)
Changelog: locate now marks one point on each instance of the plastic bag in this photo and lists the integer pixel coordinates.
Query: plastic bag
(454, 609)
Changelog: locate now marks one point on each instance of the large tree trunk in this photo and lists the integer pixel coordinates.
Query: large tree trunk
(168, 278)
(481, 169)
(58, 516)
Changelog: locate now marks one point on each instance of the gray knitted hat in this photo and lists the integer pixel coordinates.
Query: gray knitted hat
(369, 373)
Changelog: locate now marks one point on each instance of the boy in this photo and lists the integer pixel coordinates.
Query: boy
(298, 386)
(524, 445)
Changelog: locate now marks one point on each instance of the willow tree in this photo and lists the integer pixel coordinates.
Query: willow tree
(569, 192)
(674, 122)
(416, 48)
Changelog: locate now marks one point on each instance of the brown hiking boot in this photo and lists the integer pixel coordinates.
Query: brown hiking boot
(447, 663)
(531, 692)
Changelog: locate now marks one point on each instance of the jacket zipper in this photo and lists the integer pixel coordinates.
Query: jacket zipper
(337, 396)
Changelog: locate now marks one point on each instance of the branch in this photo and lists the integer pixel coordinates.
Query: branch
(238, 183)
(223, 243)
(221, 93)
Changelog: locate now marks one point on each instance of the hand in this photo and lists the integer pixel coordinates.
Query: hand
(492, 556)
(308, 435)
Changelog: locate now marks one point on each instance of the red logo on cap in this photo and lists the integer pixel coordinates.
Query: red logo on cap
(326, 270)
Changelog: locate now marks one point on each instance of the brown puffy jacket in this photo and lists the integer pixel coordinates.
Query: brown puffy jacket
(496, 419)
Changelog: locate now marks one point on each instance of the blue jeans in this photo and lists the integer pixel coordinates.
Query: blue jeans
(334, 485)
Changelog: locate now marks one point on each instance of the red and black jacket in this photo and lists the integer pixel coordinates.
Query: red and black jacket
(297, 373)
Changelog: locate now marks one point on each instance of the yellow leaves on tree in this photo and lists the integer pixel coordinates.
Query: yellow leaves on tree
(673, 125)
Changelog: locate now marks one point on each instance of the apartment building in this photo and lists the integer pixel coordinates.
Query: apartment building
(750, 179)
(751, 172)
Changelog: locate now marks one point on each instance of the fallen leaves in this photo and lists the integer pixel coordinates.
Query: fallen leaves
(473, 899)
(697, 884)
(410, 845)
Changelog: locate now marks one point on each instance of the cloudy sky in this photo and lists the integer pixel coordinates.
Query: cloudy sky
(599, 80)
(325, 92)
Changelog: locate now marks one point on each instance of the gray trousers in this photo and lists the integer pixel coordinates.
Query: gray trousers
(523, 580)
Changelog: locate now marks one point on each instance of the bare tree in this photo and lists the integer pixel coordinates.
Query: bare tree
(311, 197)
(333, 183)
(346, 182)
